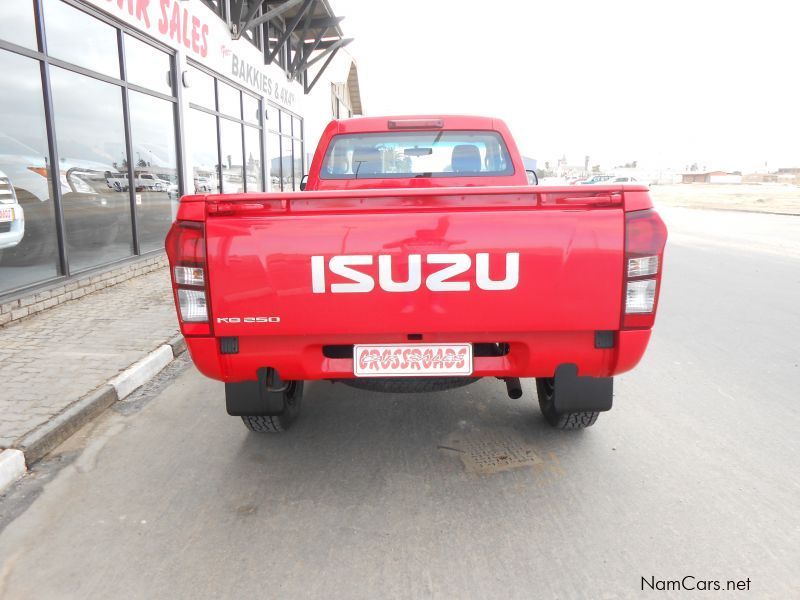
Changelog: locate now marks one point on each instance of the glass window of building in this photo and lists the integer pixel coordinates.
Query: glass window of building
(226, 145)
(339, 105)
(201, 143)
(28, 249)
(285, 147)
(232, 160)
(298, 163)
(274, 148)
(252, 112)
(286, 123)
(90, 134)
(17, 23)
(201, 89)
(287, 164)
(97, 48)
(253, 162)
(147, 66)
(229, 100)
(155, 167)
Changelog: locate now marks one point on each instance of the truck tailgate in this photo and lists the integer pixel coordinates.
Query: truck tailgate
(570, 247)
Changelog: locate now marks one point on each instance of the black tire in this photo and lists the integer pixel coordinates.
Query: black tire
(545, 387)
(408, 385)
(293, 396)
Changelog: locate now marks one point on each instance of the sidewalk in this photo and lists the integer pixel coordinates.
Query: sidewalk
(57, 364)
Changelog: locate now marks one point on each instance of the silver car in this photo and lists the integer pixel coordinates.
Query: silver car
(12, 217)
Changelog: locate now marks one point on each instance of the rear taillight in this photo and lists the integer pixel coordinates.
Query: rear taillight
(186, 249)
(193, 307)
(645, 238)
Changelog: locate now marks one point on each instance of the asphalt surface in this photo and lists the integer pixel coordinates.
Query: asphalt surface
(693, 473)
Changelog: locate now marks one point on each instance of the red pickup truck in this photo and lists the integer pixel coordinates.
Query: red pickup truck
(418, 258)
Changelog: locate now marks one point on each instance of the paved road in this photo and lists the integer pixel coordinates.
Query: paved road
(694, 472)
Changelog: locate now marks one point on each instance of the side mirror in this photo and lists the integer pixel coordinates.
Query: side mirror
(303, 182)
(533, 179)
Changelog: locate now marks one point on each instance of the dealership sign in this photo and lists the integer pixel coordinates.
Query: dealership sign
(195, 30)
(253, 77)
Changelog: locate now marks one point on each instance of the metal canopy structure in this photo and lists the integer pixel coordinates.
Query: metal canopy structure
(310, 24)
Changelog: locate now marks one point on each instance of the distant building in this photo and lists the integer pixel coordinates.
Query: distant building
(760, 178)
(788, 175)
(563, 169)
(712, 177)
(782, 175)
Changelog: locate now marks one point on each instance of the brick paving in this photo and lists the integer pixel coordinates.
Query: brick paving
(50, 360)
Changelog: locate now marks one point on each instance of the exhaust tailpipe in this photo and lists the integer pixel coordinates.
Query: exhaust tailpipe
(513, 387)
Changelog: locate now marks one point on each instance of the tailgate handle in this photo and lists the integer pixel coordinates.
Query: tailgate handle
(610, 200)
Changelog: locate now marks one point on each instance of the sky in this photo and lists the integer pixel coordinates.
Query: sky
(665, 83)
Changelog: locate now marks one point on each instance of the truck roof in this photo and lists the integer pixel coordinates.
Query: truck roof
(373, 124)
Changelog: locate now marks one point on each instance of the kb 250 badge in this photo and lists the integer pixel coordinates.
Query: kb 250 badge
(248, 319)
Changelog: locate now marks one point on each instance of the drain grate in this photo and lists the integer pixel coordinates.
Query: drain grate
(490, 452)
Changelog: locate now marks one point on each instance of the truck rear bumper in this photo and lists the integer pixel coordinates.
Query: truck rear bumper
(527, 355)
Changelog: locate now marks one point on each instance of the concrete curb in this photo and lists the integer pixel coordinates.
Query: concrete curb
(178, 344)
(39, 442)
(141, 371)
(12, 467)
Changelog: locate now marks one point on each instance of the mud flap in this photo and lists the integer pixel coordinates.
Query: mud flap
(264, 397)
(581, 394)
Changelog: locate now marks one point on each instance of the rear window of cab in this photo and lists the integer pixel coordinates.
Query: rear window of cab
(405, 154)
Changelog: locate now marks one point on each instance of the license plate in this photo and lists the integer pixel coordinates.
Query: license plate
(412, 360)
(6, 214)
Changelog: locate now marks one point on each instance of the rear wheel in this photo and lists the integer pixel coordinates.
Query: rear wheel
(292, 397)
(545, 388)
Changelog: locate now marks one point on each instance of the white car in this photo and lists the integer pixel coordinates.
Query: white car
(624, 179)
(12, 217)
(202, 184)
(144, 182)
(151, 181)
(597, 180)
(117, 181)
